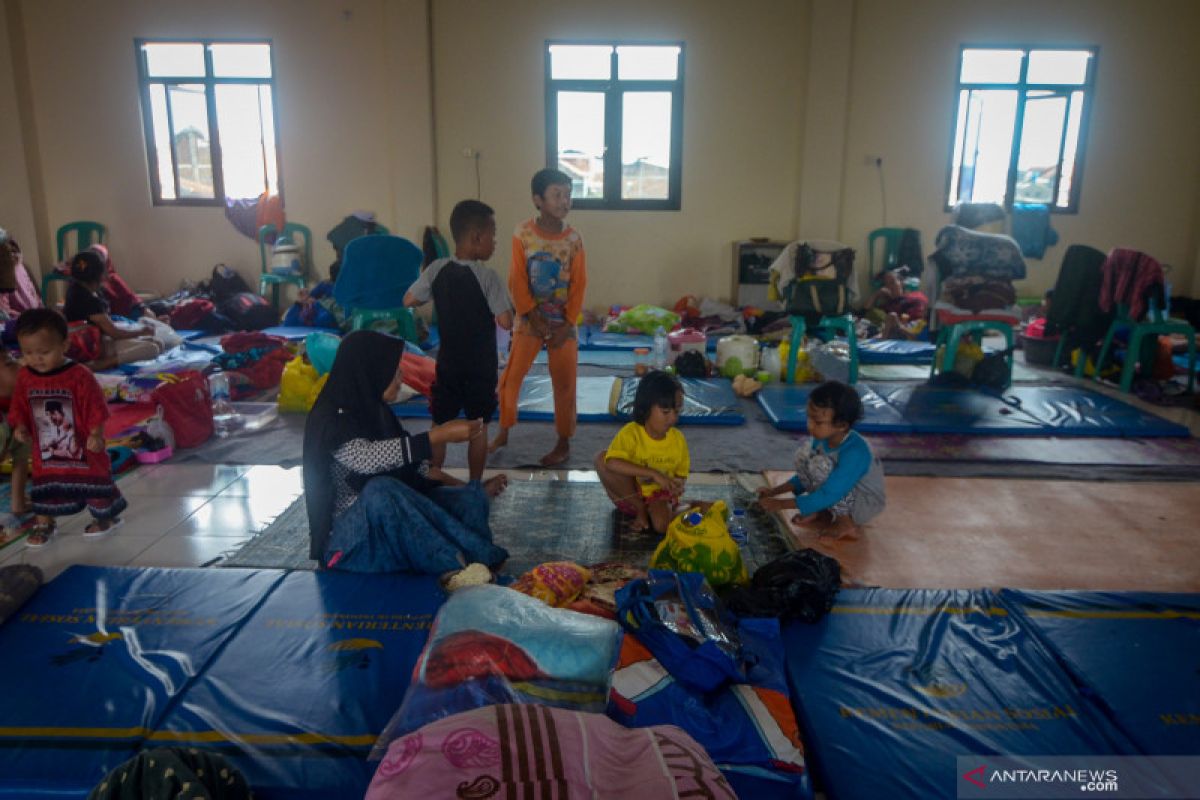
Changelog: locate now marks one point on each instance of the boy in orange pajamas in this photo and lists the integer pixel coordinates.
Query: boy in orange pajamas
(546, 281)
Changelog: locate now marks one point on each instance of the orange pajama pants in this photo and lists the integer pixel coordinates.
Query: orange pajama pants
(563, 368)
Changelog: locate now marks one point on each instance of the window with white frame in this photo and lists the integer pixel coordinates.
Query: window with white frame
(209, 116)
(614, 114)
(1021, 126)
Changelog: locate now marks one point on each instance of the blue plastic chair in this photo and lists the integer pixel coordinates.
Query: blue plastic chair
(274, 280)
(376, 272)
(85, 233)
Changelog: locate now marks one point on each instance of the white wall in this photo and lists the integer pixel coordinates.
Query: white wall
(782, 101)
(16, 205)
(353, 99)
(744, 67)
(1143, 152)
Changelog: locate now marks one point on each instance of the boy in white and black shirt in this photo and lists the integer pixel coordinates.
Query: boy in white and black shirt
(470, 300)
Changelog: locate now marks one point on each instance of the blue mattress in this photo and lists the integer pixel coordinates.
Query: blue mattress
(593, 400)
(892, 685)
(290, 676)
(1019, 411)
(294, 333)
(705, 402)
(592, 337)
(616, 359)
(895, 351)
(96, 657)
(786, 407)
(1135, 653)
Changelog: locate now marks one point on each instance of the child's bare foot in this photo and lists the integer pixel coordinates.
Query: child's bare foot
(820, 519)
(495, 485)
(500, 440)
(560, 453)
(843, 529)
(639, 524)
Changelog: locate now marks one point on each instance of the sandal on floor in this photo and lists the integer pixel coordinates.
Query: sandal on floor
(40, 535)
(92, 532)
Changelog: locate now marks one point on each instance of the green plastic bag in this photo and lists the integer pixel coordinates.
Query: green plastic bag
(643, 319)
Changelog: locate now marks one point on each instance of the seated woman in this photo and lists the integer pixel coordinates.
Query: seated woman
(900, 314)
(374, 502)
(86, 303)
(17, 290)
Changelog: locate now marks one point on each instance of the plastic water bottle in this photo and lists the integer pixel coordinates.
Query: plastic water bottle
(660, 348)
(225, 418)
(737, 526)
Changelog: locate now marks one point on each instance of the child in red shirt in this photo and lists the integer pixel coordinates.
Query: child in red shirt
(59, 408)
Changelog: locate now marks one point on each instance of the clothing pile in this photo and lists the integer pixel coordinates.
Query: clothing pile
(976, 271)
(254, 361)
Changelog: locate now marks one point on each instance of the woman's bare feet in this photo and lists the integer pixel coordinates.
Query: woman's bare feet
(495, 485)
(560, 453)
(819, 520)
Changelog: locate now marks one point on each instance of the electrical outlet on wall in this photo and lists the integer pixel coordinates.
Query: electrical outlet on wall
(470, 152)
(873, 160)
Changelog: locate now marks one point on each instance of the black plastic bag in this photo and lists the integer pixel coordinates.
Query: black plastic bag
(799, 585)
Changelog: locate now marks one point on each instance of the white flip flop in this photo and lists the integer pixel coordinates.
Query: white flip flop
(112, 526)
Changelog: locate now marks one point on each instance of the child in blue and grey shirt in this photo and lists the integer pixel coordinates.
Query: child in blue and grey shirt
(838, 484)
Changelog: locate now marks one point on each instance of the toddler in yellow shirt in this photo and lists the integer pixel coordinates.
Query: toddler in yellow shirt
(646, 465)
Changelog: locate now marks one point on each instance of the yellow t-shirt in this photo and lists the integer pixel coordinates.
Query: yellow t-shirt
(668, 455)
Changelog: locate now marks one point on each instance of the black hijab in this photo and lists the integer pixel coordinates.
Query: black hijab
(350, 406)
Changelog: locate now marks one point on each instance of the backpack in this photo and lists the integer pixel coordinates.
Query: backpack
(249, 311)
(189, 314)
(225, 283)
(816, 298)
(187, 407)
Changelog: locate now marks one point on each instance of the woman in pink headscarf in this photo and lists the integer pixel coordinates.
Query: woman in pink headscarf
(18, 292)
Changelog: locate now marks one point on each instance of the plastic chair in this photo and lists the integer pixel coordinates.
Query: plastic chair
(376, 272)
(1156, 323)
(274, 280)
(891, 248)
(949, 337)
(843, 325)
(86, 234)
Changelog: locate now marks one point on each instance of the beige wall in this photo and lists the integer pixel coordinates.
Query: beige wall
(353, 99)
(744, 68)
(782, 101)
(16, 206)
(1143, 158)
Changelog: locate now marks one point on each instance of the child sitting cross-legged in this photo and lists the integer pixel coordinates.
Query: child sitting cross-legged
(645, 467)
(838, 484)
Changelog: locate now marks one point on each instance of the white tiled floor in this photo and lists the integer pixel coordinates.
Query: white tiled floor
(187, 515)
(180, 515)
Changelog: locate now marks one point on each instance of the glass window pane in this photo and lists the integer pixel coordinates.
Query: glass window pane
(986, 131)
(1058, 66)
(1070, 148)
(162, 139)
(991, 66)
(174, 60)
(580, 61)
(581, 141)
(648, 63)
(267, 113)
(959, 129)
(645, 145)
(241, 60)
(1038, 159)
(192, 148)
(240, 125)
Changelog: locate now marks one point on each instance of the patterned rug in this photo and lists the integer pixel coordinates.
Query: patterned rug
(538, 521)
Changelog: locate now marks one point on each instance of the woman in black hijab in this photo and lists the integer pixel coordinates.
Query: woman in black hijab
(374, 504)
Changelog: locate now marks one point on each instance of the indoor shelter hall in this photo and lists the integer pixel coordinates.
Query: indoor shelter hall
(441, 397)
